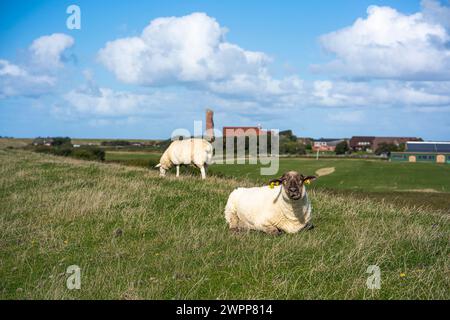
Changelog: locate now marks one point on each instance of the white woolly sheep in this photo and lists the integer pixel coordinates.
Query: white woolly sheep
(272, 209)
(198, 152)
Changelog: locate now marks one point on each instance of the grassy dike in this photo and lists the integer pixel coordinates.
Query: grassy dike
(137, 236)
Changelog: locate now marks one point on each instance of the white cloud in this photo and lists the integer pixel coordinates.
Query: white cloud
(187, 49)
(390, 44)
(348, 117)
(107, 102)
(90, 99)
(381, 94)
(38, 75)
(192, 51)
(342, 96)
(434, 12)
(15, 81)
(445, 109)
(46, 51)
(105, 122)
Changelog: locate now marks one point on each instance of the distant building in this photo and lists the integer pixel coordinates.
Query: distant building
(371, 143)
(43, 142)
(242, 131)
(326, 144)
(428, 151)
(392, 140)
(361, 143)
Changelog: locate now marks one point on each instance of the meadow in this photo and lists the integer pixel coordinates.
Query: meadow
(409, 184)
(137, 236)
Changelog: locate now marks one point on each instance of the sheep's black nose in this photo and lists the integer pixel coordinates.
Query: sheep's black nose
(292, 189)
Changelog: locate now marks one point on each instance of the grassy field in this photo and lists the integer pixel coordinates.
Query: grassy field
(14, 143)
(414, 184)
(135, 235)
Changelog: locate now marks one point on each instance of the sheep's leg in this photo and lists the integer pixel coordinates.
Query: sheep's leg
(202, 170)
(232, 218)
(178, 171)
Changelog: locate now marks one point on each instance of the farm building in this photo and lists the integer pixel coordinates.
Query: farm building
(360, 143)
(242, 131)
(43, 142)
(371, 143)
(326, 144)
(438, 152)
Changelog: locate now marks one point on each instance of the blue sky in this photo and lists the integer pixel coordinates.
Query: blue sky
(140, 69)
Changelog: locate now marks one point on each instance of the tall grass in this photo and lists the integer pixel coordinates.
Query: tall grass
(137, 236)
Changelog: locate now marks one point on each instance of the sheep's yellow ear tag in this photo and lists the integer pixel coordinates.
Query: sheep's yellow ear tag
(273, 184)
(307, 181)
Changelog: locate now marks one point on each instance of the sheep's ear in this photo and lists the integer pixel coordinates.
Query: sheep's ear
(309, 178)
(279, 180)
(276, 181)
(158, 165)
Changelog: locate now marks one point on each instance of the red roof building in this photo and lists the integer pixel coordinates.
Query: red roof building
(242, 131)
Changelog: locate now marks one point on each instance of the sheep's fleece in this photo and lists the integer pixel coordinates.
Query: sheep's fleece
(271, 210)
(198, 152)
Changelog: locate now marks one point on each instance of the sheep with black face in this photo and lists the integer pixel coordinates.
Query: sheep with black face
(283, 206)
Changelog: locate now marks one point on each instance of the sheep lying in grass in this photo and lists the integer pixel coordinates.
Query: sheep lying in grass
(198, 152)
(272, 209)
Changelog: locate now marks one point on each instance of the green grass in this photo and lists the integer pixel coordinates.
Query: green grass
(56, 212)
(14, 143)
(414, 184)
(364, 175)
(350, 174)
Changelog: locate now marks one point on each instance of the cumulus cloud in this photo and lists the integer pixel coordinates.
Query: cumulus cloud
(16, 81)
(192, 51)
(392, 45)
(348, 117)
(107, 102)
(38, 75)
(191, 48)
(113, 122)
(90, 99)
(47, 51)
(343, 96)
(435, 12)
(382, 94)
(402, 50)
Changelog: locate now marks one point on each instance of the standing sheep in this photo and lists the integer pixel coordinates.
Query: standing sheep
(195, 151)
(272, 209)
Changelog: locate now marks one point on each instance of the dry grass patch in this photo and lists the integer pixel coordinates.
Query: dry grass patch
(325, 171)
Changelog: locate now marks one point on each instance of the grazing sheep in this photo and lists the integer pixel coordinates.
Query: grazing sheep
(198, 152)
(272, 209)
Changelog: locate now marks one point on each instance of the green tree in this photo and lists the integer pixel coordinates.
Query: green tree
(386, 148)
(287, 134)
(308, 147)
(292, 147)
(59, 141)
(342, 147)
